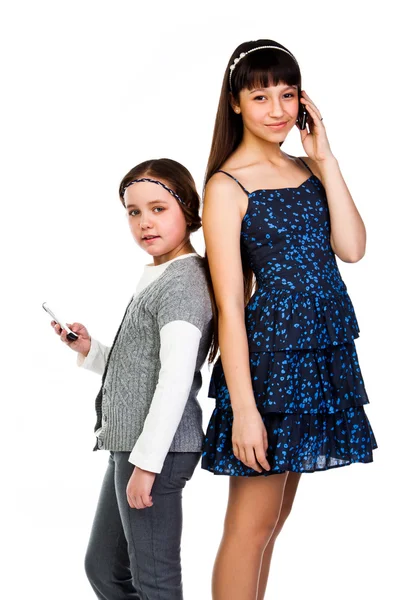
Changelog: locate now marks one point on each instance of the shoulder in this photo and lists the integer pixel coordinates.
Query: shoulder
(187, 275)
(184, 266)
(222, 193)
(222, 186)
(185, 293)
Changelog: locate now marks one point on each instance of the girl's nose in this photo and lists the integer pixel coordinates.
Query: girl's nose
(276, 109)
(145, 222)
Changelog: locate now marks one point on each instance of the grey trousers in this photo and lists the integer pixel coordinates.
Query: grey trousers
(135, 554)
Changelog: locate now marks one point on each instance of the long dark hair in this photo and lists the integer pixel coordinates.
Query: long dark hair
(180, 181)
(261, 68)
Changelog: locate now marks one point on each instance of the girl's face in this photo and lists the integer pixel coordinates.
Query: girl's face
(156, 220)
(269, 113)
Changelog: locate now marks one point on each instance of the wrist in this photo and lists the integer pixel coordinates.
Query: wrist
(327, 162)
(244, 410)
(139, 471)
(86, 352)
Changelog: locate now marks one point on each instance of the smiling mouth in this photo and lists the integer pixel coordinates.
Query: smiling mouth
(150, 237)
(277, 124)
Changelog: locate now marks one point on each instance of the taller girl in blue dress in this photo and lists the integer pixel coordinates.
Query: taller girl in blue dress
(288, 387)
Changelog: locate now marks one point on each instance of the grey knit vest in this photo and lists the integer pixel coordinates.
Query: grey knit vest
(130, 378)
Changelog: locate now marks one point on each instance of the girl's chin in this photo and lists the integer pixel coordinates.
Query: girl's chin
(276, 136)
(155, 251)
(158, 252)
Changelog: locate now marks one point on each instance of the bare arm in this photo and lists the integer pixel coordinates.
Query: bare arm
(221, 224)
(348, 235)
(224, 205)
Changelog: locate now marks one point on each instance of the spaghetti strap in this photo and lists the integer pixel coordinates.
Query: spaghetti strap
(234, 179)
(306, 165)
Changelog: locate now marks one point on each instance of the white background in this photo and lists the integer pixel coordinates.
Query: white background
(91, 88)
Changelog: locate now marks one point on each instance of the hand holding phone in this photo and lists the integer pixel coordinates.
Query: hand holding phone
(71, 336)
(78, 340)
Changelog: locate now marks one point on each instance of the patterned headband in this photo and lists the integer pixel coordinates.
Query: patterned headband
(174, 194)
(243, 54)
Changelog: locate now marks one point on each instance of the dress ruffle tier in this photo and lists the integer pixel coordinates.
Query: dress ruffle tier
(281, 319)
(307, 385)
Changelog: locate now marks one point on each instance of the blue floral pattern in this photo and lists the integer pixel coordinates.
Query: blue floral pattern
(301, 328)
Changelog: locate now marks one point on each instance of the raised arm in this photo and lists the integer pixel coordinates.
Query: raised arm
(224, 206)
(348, 235)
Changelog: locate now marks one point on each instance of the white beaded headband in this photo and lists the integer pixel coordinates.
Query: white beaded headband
(243, 54)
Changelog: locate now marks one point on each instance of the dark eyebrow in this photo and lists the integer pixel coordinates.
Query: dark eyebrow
(151, 202)
(288, 87)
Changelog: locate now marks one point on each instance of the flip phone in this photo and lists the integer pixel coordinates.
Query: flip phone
(302, 116)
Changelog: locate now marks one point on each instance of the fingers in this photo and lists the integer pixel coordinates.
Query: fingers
(250, 442)
(78, 328)
(236, 450)
(244, 455)
(251, 459)
(308, 102)
(261, 457)
(63, 337)
(62, 333)
(147, 500)
(140, 502)
(56, 327)
(315, 114)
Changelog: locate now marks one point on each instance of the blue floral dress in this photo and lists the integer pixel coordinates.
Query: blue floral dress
(301, 328)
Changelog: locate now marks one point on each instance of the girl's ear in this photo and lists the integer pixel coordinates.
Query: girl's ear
(235, 106)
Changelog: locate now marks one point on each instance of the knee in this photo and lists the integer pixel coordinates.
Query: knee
(264, 534)
(283, 515)
(255, 534)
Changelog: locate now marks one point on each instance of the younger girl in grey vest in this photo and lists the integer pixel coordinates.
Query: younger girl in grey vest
(148, 416)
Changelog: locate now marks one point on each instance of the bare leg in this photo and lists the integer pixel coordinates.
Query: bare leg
(292, 482)
(253, 511)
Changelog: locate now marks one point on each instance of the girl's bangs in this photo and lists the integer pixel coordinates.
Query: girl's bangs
(261, 69)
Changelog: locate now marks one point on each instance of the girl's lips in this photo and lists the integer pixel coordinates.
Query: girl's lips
(277, 125)
(152, 239)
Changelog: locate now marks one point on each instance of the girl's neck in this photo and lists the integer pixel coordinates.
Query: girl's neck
(184, 248)
(256, 150)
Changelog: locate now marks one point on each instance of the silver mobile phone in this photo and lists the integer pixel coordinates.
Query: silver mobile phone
(71, 336)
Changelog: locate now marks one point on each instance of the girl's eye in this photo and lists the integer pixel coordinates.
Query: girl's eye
(259, 98)
(158, 209)
(288, 95)
(133, 213)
